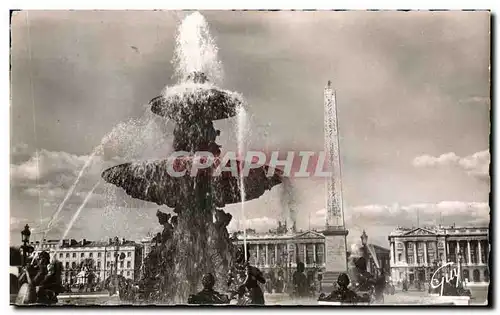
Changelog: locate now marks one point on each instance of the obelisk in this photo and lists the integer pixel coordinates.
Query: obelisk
(335, 232)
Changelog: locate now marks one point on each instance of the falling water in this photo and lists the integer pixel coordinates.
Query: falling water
(196, 50)
(126, 139)
(77, 213)
(241, 129)
(70, 190)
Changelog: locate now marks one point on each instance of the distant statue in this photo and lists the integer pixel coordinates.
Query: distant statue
(168, 229)
(208, 295)
(279, 286)
(342, 293)
(222, 219)
(300, 282)
(174, 221)
(362, 281)
(246, 279)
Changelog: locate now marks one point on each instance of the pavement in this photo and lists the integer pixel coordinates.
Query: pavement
(479, 297)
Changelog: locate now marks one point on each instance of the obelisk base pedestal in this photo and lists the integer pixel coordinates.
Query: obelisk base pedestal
(336, 256)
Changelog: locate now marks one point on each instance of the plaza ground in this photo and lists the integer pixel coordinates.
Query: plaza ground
(479, 297)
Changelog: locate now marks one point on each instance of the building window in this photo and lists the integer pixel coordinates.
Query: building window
(486, 275)
(107, 254)
(400, 257)
(410, 253)
(129, 254)
(272, 258)
(98, 255)
(262, 254)
(465, 274)
(128, 264)
(99, 264)
(420, 252)
(128, 273)
(67, 265)
(320, 253)
(121, 264)
(67, 255)
(107, 264)
(91, 255)
(60, 255)
(82, 255)
(309, 254)
(74, 255)
(431, 252)
(73, 265)
(473, 253)
(476, 276)
(484, 252)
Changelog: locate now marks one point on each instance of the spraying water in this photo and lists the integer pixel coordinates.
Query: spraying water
(142, 136)
(288, 202)
(70, 190)
(196, 50)
(77, 213)
(241, 129)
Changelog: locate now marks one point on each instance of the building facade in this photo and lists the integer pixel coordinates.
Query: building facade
(280, 252)
(417, 252)
(96, 256)
(273, 253)
(378, 258)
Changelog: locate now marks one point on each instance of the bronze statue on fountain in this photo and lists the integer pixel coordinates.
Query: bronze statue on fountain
(244, 281)
(193, 245)
(343, 294)
(208, 295)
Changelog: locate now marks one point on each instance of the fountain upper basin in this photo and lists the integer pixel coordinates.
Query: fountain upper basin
(192, 101)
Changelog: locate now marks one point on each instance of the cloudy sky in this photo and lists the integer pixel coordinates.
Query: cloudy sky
(413, 109)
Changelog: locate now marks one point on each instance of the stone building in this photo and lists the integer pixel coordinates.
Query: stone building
(280, 252)
(417, 252)
(100, 254)
(273, 252)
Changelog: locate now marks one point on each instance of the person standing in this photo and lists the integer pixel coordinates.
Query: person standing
(300, 282)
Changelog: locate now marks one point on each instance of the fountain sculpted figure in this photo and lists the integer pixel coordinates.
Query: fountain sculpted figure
(208, 295)
(342, 294)
(246, 278)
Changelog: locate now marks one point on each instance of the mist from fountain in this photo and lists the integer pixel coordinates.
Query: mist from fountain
(131, 139)
(77, 213)
(196, 51)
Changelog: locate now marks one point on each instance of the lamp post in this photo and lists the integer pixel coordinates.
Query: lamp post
(117, 246)
(25, 236)
(364, 242)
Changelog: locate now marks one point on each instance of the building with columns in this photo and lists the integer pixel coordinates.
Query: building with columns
(417, 252)
(274, 252)
(280, 252)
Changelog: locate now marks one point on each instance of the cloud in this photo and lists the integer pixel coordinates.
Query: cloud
(47, 163)
(477, 164)
(379, 220)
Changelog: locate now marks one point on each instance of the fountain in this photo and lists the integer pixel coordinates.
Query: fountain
(192, 243)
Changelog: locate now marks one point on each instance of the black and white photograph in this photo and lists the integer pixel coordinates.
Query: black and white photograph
(250, 158)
